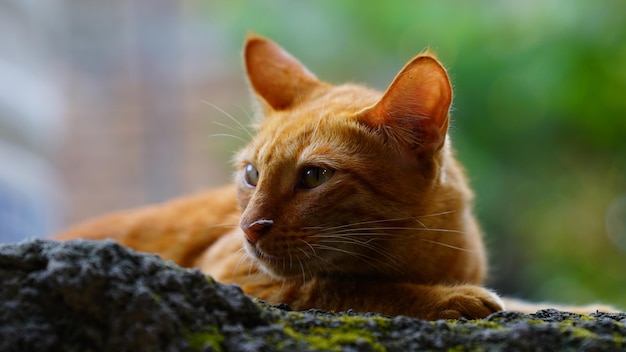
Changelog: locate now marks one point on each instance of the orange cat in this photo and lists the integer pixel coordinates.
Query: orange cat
(346, 198)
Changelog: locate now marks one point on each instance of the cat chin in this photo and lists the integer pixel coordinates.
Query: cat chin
(276, 267)
(281, 274)
(264, 261)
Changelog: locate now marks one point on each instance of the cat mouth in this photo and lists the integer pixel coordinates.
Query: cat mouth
(277, 265)
(255, 252)
(260, 256)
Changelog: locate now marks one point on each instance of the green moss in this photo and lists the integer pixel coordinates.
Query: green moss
(488, 325)
(584, 317)
(346, 329)
(211, 337)
(582, 333)
(352, 329)
(567, 323)
(355, 321)
(571, 326)
(462, 348)
(619, 340)
(327, 339)
(457, 348)
(467, 327)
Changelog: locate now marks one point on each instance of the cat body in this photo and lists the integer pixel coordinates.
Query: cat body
(346, 198)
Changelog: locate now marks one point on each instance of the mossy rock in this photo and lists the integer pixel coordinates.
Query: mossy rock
(99, 296)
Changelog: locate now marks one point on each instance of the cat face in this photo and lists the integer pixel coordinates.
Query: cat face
(344, 179)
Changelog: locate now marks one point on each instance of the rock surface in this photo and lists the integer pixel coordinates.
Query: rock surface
(84, 295)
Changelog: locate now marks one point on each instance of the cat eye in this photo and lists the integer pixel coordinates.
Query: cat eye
(315, 176)
(251, 175)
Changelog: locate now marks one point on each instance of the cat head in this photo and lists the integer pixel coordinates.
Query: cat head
(345, 180)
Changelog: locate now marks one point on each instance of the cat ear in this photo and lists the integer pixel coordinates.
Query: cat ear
(415, 108)
(276, 77)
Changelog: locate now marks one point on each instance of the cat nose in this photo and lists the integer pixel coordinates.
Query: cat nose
(256, 229)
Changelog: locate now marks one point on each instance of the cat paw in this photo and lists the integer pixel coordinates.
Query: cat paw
(471, 302)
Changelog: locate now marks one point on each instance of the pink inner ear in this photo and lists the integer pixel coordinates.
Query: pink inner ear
(415, 106)
(276, 76)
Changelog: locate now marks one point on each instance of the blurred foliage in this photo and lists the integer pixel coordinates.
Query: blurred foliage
(539, 117)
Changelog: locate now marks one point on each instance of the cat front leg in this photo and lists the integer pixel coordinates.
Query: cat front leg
(463, 301)
(447, 302)
(430, 302)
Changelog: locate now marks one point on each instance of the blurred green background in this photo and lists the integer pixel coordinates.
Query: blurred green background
(539, 116)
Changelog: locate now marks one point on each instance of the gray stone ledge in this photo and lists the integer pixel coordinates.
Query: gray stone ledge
(84, 295)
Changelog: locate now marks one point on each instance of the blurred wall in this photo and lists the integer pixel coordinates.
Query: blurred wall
(31, 120)
(141, 80)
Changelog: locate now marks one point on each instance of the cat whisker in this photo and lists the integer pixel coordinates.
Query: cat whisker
(354, 237)
(374, 235)
(333, 228)
(229, 135)
(363, 257)
(282, 285)
(360, 231)
(375, 231)
(242, 126)
(446, 245)
(247, 113)
(234, 129)
(308, 244)
(313, 255)
(306, 254)
(290, 257)
(369, 222)
(226, 126)
(365, 244)
(436, 214)
(243, 258)
(303, 272)
(419, 229)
